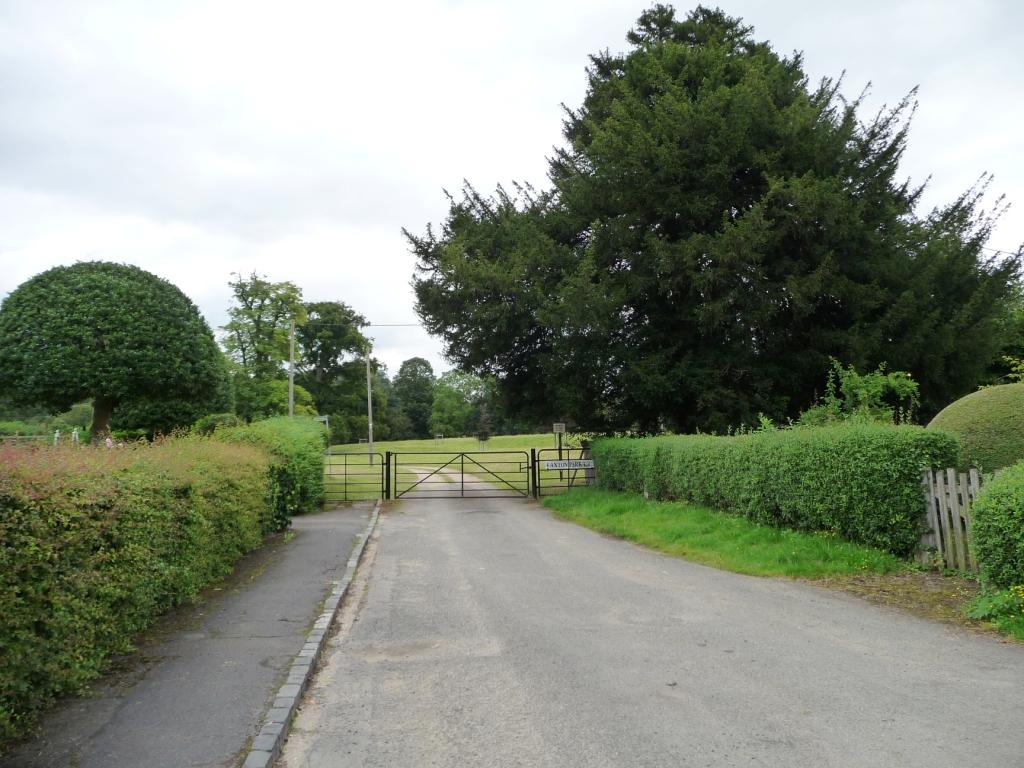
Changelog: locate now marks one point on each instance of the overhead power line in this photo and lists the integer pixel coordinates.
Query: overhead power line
(368, 325)
(999, 250)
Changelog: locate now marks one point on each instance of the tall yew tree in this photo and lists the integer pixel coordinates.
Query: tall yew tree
(715, 231)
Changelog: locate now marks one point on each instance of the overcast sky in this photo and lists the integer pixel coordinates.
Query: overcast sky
(198, 139)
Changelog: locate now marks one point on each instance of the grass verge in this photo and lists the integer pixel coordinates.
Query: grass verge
(719, 539)
(734, 543)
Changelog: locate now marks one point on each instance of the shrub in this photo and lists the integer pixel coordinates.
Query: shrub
(989, 424)
(997, 528)
(859, 480)
(879, 396)
(95, 543)
(22, 428)
(297, 462)
(207, 424)
(1003, 608)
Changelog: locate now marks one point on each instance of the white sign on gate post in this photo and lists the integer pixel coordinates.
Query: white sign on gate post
(570, 464)
(558, 427)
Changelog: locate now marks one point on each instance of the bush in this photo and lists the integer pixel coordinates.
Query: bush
(297, 462)
(95, 543)
(997, 528)
(207, 424)
(989, 424)
(861, 481)
(22, 428)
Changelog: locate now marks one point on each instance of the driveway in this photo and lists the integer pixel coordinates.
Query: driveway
(490, 633)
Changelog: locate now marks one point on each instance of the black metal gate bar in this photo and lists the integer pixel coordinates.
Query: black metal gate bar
(481, 474)
(424, 480)
(547, 482)
(363, 476)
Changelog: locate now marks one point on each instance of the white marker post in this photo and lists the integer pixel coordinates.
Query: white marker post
(559, 429)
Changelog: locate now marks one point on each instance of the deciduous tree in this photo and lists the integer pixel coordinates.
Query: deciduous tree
(414, 389)
(257, 335)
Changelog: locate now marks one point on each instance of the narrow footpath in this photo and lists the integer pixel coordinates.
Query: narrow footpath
(194, 693)
(490, 633)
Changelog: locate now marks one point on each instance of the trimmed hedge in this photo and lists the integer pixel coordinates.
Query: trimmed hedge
(297, 462)
(96, 543)
(989, 424)
(861, 481)
(997, 528)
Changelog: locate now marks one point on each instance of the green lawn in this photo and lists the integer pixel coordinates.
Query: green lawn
(458, 444)
(718, 539)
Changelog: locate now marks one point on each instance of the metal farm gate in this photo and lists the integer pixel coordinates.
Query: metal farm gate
(468, 474)
(354, 476)
(455, 474)
(556, 470)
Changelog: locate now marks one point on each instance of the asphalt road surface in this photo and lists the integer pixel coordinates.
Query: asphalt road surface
(490, 633)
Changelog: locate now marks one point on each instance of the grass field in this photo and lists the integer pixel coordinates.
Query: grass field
(349, 474)
(458, 444)
(718, 539)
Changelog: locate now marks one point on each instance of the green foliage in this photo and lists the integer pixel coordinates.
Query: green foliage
(23, 428)
(149, 417)
(1009, 367)
(989, 424)
(79, 415)
(257, 335)
(997, 529)
(715, 231)
(263, 398)
(331, 349)
(414, 391)
(878, 396)
(459, 405)
(95, 543)
(719, 539)
(1015, 366)
(1003, 608)
(348, 403)
(213, 421)
(33, 422)
(296, 468)
(861, 481)
(110, 333)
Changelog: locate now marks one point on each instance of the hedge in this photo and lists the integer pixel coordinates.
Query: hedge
(989, 424)
(997, 528)
(861, 481)
(297, 462)
(95, 543)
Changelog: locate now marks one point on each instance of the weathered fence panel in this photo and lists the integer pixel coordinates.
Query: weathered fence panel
(949, 496)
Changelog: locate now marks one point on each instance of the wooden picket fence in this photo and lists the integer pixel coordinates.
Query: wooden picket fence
(949, 495)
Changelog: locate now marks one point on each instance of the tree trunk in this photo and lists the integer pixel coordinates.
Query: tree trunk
(102, 410)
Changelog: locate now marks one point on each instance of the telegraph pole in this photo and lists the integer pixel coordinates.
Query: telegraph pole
(369, 406)
(291, 370)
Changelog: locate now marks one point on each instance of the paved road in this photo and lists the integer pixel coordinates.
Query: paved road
(493, 634)
(195, 692)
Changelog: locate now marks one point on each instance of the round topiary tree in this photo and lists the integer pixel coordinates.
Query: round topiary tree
(989, 424)
(111, 333)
